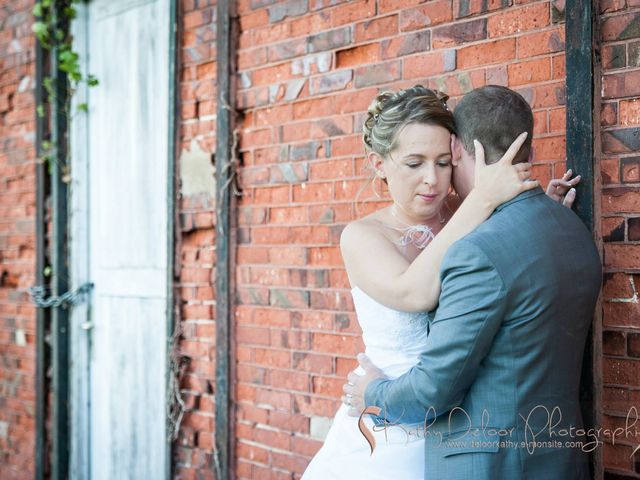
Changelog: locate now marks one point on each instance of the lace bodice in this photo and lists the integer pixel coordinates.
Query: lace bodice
(393, 339)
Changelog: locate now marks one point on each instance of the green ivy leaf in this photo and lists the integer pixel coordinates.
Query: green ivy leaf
(40, 111)
(70, 13)
(47, 271)
(37, 10)
(92, 81)
(83, 107)
(40, 29)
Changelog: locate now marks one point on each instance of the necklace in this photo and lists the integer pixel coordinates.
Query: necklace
(419, 235)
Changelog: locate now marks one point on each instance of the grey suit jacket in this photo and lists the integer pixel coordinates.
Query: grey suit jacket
(502, 361)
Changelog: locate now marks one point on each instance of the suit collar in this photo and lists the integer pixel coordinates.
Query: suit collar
(523, 196)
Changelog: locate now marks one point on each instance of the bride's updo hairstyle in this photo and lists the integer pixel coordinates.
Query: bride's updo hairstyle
(390, 112)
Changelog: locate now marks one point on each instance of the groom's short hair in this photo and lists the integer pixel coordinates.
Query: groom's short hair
(494, 116)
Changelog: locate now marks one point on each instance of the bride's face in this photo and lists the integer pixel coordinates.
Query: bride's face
(418, 171)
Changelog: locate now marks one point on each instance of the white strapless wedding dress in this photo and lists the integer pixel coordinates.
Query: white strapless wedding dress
(393, 341)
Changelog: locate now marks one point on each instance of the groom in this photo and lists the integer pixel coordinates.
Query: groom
(496, 387)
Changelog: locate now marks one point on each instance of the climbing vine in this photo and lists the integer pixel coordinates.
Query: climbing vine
(50, 28)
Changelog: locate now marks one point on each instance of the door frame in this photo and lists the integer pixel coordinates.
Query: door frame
(79, 459)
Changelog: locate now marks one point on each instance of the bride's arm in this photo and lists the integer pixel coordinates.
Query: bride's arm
(380, 271)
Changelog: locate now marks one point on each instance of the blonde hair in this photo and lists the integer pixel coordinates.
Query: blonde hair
(390, 111)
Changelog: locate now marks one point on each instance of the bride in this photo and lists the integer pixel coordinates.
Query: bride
(393, 256)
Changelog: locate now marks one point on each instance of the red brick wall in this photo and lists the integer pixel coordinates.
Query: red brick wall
(307, 72)
(620, 166)
(17, 241)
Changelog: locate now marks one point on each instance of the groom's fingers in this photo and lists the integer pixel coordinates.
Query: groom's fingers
(511, 152)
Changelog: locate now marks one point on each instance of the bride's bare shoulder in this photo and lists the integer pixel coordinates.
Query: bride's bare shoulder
(363, 229)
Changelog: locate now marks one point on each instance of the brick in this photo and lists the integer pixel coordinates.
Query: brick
(329, 40)
(311, 64)
(330, 386)
(313, 108)
(255, 19)
(540, 43)
(385, 6)
(320, 4)
(266, 35)
(633, 345)
(362, 54)
(486, 53)
(546, 95)
(291, 8)
(617, 286)
(271, 74)
(630, 112)
(331, 127)
(630, 167)
(472, 7)
(377, 74)
(557, 120)
(406, 45)
(613, 229)
(621, 256)
(620, 27)
(614, 56)
(460, 33)
(548, 148)
(289, 173)
(532, 71)
(311, 362)
(621, 372)
(429, 64)
(620, 200)
(610, 6)
(609, 114)
(433, 13)
(633, 229)
(518, 20)
(633, 58)
(328, 170)
(331, 82)
(621, 140)
(353, 11)
(310, 23)
(286, 50)
(497, 76)
(376, 28)
(613, 342)
(307, 151)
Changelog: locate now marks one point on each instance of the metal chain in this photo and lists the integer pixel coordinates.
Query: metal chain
(68, 298)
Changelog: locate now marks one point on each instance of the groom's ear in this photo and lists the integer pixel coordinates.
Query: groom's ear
(455, 150)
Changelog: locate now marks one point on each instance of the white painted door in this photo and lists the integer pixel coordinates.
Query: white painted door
(118, 241)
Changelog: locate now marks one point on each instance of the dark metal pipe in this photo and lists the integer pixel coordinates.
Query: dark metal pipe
(583, 107)
(172, 211)
(42, 314)
(224, 160)
(59, 265)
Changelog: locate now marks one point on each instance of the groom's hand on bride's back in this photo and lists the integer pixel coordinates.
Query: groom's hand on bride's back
(356, 385)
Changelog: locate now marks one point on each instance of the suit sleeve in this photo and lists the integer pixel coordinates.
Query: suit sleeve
(471, 310)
